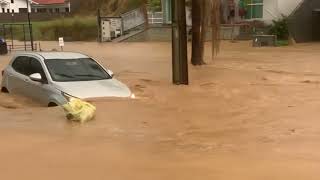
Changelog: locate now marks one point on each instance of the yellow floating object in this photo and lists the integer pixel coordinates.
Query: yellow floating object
(78, 110)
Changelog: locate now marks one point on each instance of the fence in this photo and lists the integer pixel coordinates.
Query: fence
(132, 19)
(10, 32)
(155, 17)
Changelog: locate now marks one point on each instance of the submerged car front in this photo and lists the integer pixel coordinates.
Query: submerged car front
(85, 79)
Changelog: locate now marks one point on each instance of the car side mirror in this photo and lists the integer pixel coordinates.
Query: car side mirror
(36, 77)
(110, 72)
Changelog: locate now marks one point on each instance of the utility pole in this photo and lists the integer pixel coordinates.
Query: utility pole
(29, 23)
(179, 43)
(99, 24)
(98, 3)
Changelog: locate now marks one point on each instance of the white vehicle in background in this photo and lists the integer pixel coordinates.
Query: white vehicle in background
(52, 78)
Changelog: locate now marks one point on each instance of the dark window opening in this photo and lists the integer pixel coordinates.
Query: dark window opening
(23, 10)
(42, 10)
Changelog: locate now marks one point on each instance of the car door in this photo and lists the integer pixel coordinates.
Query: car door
(39, 91)
(17, 77)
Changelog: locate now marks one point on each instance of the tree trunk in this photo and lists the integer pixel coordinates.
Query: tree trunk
(204, 25)
(215, 24)
(197, 33)
(145, 12)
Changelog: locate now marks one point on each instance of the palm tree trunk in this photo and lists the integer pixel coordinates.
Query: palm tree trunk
(204, 25)
(215, 24)
(197, 32)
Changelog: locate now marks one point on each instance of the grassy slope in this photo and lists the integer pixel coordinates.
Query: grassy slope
(76, 28)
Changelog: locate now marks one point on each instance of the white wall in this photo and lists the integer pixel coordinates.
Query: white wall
(286, 7)
(14, 6)
(5, 6)
(270, 10)
(22, 4)
(18, 4)
(273, 9)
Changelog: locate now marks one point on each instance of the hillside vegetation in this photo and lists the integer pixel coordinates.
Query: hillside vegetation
(107, 7)
(83, 25)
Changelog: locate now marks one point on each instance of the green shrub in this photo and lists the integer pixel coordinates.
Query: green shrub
(280, 28)
(72, 29)
(154, 5)
(19, 34)
(282, 43)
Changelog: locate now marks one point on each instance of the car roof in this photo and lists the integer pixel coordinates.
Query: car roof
(55, 55)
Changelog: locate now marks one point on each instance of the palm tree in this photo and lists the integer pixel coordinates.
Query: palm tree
(197, 32)
(215, 8)
(204, 13)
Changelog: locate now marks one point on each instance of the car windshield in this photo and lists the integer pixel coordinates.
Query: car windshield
(83, 69)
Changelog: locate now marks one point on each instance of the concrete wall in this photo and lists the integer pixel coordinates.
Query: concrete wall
(164, 33)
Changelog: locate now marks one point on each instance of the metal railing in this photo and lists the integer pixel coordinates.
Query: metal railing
(155, 17)
(132, 19)
(22, 47)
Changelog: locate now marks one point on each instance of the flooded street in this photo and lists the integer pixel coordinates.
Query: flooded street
(250, 114)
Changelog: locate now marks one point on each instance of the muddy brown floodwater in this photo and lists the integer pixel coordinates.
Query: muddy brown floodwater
(251, 114)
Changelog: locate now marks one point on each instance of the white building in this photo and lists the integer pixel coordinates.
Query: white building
(44, 6)
(264, 10)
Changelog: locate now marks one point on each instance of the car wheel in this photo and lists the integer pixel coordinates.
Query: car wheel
(4, 90)
(52, 104)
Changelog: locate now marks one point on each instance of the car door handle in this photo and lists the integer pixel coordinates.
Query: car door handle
(26, 80)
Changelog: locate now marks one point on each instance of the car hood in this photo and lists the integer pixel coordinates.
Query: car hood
(94, 89)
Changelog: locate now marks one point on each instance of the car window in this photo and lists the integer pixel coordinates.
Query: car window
(36, 67)
(83, 69)
(20, 64)
(27, 66)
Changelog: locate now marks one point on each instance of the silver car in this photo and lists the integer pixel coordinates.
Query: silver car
(52, 78)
